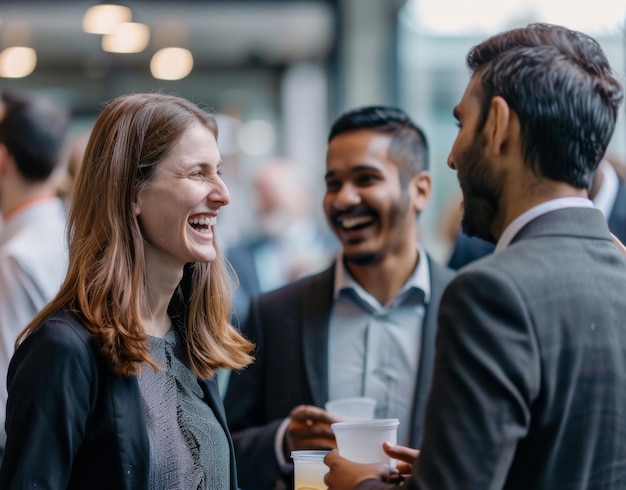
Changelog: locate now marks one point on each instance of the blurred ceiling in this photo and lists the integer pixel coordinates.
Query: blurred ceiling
(222, 33)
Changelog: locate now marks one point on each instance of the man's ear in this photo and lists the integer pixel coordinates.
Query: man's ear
(420, 188)
(502, 127)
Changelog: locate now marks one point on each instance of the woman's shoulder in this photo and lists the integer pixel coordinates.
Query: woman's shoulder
(62, 331)
(59, 348)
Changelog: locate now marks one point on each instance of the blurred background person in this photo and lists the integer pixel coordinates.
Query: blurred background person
(365, 326)
(73, 158)
(288, 243)
(33, 252)
(112, 384)
(281, 69)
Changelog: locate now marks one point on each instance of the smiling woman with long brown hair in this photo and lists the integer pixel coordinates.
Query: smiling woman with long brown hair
(112, 384)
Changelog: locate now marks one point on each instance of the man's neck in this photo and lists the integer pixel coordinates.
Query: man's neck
(518, 200)
(384, 279)
(18, 195)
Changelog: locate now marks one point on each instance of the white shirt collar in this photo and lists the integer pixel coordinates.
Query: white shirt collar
(604, 199)
(527, 216)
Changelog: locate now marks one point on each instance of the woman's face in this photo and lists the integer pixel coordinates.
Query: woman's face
(179, 208)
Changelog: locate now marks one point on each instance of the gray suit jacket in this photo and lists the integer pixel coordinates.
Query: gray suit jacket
(290, 329)
(529, 387)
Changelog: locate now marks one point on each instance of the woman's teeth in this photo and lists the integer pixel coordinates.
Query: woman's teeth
(203, 224)
(203, 221)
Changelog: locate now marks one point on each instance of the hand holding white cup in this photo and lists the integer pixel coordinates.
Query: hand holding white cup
(362, 442)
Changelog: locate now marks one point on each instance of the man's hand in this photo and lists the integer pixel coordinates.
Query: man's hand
(405, 457)
(309, 429)
(346, 475)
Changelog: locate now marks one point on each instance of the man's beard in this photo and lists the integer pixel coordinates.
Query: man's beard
(482, 190)
(363, 258)
(396, 215)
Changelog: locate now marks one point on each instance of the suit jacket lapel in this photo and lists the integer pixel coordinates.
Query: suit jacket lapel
(439, 278)
(213, 399)
(317, 304)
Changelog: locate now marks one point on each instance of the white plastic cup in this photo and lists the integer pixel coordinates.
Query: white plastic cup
(352, 409)
(309, 470)
(362, 442)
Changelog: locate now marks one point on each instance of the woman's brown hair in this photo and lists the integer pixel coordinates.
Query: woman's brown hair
(105, 284)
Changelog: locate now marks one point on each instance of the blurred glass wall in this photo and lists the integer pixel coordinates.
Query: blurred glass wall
(278, 72)
(435, 37)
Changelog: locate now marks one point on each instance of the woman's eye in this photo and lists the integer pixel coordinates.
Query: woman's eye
(198, 176)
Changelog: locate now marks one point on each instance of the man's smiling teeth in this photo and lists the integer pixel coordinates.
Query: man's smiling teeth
(352, 222)
(203, 224)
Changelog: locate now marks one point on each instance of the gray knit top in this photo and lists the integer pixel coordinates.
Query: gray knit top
(188, 447)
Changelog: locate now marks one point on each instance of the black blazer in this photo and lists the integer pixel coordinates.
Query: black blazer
(290, 329)
(70, 422)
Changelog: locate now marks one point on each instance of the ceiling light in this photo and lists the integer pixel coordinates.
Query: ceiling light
(171, 63)
(101, 19)
(17, 62)
(127, 37)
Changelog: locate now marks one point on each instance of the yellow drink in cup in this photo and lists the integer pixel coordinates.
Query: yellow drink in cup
(309, 470)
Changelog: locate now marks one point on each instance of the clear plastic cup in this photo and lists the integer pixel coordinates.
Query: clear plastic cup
(362, 442)
(352, 409)
(309, 470)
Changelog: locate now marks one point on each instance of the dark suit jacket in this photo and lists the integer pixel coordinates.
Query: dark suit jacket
(467, 249)
(290, 329)
(241, 257)
(70, 422)
(617, 218)
(529, 387)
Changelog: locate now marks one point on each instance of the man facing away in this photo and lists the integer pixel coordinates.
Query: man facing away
(33, 255)
(528, 388)
(363, 327)
(607, 192)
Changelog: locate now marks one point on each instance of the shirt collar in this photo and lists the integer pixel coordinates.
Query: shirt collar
(527, 216)
(420, 279)
(604, 199)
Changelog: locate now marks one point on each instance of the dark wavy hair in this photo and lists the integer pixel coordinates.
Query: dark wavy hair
(563, 90)
(408, 148)
(33, 129)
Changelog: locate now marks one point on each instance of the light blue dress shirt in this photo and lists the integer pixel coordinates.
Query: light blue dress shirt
(374, 349)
